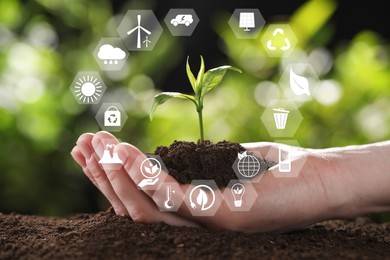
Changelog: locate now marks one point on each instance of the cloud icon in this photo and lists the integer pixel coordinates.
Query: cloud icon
(110, 54)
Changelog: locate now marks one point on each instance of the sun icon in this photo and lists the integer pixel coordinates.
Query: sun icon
(88, 89)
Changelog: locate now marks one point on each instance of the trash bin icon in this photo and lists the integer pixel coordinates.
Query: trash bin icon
(280, 116)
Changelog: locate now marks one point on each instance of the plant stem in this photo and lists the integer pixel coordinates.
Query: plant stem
(199, 109)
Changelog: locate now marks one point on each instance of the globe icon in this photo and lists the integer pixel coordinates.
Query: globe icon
(248, 166)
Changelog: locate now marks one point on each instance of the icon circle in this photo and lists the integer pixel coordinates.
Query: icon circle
(150, 168)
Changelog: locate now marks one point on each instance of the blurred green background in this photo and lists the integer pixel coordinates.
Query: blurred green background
(44, 43)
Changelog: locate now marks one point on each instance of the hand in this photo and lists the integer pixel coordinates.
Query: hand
(148, 182)
(325, 188)
(116, 185)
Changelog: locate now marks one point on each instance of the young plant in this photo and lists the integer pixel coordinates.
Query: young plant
(202, 85)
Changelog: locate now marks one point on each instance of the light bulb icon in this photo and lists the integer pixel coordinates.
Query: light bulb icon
(238, 191)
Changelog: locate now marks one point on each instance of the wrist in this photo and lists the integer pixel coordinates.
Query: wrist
(358, 179)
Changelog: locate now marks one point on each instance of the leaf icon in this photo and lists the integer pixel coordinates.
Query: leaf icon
(147, 170)
(154, 169)
(299, 85)
(202, 199)
(237, 190)
(242, 155)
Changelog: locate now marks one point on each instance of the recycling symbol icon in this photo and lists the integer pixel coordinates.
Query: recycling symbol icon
(278, 32)
(112, 119)
(279, 40)
(112, 116)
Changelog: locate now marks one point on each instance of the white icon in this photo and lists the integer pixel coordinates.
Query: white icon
(280, 117)
(247, 20)
(202, 199)
(248, 165)
(138, 28)
(88, 89)
(110, 55)
(299, 85)
(169, 203)
(112, 117)
(147, 42)
(107, 158)
(185, 19)
(284, 165)
(150, 169)
(285, 47)
(238, 191)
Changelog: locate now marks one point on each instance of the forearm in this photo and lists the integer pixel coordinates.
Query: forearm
(361, 178)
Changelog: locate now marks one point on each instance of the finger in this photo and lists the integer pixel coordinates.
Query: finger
(134, 170)
(132, 167)
(274, 151)
(135, 160)
(267, 150)
(80, 159)
(93, 169)
(78, 156)
(139, 206)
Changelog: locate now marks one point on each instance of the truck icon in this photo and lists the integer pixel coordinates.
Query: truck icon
(185, 19)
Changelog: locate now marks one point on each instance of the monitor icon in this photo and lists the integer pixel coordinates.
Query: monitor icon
(247, 20)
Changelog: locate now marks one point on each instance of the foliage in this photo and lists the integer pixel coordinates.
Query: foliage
(202, 85)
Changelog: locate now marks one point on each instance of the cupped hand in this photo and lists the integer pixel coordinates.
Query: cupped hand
(116, 184)
(281, 202)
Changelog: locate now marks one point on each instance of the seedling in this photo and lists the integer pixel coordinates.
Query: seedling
(202, 85)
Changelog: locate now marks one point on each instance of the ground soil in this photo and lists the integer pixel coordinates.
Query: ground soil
(107, 236)
(187, 161)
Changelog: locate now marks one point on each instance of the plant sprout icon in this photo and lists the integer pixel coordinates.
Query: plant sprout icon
(238, 191)
(150, 169)
(202, 199)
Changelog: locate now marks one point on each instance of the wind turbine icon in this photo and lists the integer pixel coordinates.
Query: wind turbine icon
(139, 28)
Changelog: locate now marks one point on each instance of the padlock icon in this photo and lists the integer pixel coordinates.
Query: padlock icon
(112, 117)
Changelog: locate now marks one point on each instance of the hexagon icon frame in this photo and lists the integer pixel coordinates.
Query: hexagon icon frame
(181, 22)
(168, 196)
(110, 54)
(281, 118)
(261, 168)
(299, 82)
(150, 179)
(240, 195)
(203, 198)
(290, 161)
(110, 160)
(279, 40)
(88, 87)
(140, 30)
(111, 117)
(246, 23)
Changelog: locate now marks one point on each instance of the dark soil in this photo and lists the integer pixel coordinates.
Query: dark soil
(107, 236)
(187, 161)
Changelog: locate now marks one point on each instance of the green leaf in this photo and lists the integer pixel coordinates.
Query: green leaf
(199, 78)
(161, 98)
(191, 77)
(213, 77)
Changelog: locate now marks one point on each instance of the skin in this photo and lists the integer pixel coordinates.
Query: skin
(331, 184)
